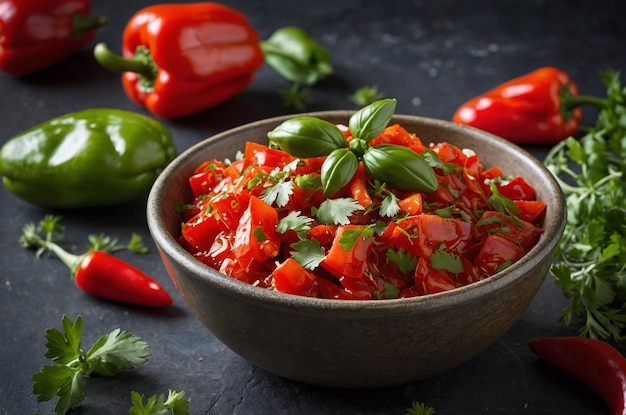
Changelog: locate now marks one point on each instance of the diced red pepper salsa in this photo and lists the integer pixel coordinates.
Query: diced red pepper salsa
(263, 219)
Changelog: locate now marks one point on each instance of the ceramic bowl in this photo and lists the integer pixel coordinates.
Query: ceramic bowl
(355, 344)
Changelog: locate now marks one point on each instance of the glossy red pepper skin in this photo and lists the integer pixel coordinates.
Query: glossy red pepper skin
(593, 362)
(205, 53)
(106, 276)
(34, 34)
(530, 109)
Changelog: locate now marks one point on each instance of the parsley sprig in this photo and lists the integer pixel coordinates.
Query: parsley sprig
(110, 354)
(418, 408)
(590, 262)
(174, 404)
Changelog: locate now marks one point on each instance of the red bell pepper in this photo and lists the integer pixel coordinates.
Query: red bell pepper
(541, 107)
(35, 34)
(179, 59)
(593, 362)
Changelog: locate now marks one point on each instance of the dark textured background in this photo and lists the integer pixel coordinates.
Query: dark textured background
(431, 56)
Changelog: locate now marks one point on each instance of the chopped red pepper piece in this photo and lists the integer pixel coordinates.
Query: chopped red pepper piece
(35, 34)
(291, 278)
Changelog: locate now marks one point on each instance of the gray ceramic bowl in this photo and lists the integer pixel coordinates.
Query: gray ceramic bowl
(355, 344)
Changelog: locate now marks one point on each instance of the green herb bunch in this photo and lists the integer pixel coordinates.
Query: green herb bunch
(590, 262)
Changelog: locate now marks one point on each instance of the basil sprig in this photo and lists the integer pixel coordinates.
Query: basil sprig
(396, 165)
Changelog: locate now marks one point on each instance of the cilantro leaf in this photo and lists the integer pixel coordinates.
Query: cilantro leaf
(435, 162)
(308, 253)
(447, 261)
(366, 95)
(404, 260)
(308, 181)
(106, 243)
(389, 206)
(175, 404)
(278, 193)
(295, 221)
(337, 211)
(295, 97)
(64, 347)
(444, 212)
(389, 291)
(116, 351)
(62, 381)
(418, 408)
(502, 203)
(350, 236)
(112, 352)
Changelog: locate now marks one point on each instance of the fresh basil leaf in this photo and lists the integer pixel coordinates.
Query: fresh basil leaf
(370, 121)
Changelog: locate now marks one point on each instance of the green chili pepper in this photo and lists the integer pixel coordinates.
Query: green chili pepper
(400, 167)
(95, 157)
(337, 170)
(370, 121)
(307, 137)
(296, 56)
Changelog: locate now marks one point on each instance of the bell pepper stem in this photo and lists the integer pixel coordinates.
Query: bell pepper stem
(138, 64)
(82, 24)
(570, 101)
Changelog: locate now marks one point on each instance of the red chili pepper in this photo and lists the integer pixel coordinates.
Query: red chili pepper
(593, 362)
(542, 107)
(97, 272)
(106, 276)
(180, 59)
(35, 34)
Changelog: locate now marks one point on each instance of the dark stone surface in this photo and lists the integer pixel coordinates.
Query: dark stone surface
(432, 56)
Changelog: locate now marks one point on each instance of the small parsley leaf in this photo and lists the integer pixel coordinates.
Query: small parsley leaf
(405, 261)
(418, 408)
(295, 97)
(295, 221)
(503, 204)
(337, 211)
(349, 237)
(366, 95)
(175, 404)
(308, 181)
(389, 206)
(447, 261)
(279, 193)
(308, 253)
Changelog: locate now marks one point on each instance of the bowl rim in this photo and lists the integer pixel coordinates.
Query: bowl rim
(173, 249)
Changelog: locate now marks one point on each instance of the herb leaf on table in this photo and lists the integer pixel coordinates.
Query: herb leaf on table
(109, 354)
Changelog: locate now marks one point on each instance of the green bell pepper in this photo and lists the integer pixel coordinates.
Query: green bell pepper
(95, 157)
